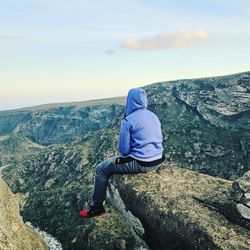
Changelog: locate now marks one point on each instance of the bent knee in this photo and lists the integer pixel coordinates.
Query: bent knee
(100, 169)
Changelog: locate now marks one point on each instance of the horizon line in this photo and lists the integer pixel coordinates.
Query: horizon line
(68, 103)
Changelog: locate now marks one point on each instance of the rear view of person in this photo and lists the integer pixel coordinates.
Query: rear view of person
(140, 148)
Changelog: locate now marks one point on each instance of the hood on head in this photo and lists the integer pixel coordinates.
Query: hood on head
(137, 98)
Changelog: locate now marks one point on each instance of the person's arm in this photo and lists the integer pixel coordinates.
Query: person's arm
(124, 138)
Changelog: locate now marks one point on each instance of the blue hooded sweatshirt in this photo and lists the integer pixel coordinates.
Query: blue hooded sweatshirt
(140, 133)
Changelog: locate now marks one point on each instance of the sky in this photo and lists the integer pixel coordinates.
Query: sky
(74, 50)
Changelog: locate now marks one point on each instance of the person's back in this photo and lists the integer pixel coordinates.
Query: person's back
(146, 142)
(140, 148)
(140, 134)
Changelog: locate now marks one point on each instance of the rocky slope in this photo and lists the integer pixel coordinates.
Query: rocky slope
(14, 234)
(180, 209)
(58, 183)
(15, 148)
(206, 123)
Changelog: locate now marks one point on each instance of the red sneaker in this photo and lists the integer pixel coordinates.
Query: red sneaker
(92, 212)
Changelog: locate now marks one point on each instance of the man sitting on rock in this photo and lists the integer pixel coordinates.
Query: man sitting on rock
(140, 148)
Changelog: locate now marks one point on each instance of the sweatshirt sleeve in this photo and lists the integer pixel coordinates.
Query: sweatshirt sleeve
(124, 138)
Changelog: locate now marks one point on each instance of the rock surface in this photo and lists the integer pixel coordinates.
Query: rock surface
(181, 209)
(243, 206)
(218, 99)
(14, 234)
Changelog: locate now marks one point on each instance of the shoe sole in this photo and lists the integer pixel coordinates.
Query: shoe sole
(94, 215)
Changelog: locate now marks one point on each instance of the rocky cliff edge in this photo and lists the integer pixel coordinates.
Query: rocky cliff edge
(174, 208)
(14, 234)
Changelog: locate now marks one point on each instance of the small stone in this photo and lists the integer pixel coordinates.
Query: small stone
(197, 147)
(49, 183)
(247, 196)
(74, 240)
(243, 210)
(188, 154)
(244, 182)
(120, 244)
(21, 181)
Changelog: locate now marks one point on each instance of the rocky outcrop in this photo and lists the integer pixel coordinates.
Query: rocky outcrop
(243, 205)
(205, 123)
(218, 100)
(181, 209)
(14, 234)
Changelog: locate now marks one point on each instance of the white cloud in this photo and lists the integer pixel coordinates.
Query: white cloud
(166, 40)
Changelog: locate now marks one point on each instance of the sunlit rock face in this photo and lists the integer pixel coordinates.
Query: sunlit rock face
(14, 234)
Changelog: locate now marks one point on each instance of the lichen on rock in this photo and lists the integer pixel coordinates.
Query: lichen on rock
(181, 209)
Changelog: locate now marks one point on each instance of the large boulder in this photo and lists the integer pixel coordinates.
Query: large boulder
(174, 208)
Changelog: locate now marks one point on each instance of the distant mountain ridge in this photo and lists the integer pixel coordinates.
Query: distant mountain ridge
(112, 100)
(51, 124)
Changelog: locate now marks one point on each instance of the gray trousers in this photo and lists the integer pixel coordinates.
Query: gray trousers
(109, 167)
